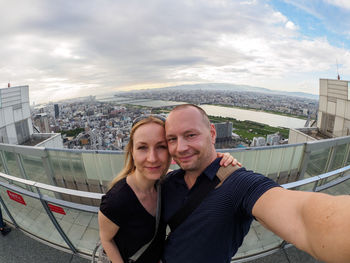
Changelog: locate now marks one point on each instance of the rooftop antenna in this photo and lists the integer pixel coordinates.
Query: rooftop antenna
(338, 70)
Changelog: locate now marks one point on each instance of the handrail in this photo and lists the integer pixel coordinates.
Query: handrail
(53, 188)
(98, 196)
(315, 178)
(46, 200)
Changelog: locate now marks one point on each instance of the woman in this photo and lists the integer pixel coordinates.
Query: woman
(127, 212)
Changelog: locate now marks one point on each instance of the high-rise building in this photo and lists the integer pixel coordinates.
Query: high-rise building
(223, 130)
(273, 139)
(334, 107)
(42, 122)
(333, 119)
(258, 141)
(15, 122)
(57, 111)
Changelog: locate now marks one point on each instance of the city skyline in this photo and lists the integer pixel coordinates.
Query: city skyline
(65, 49)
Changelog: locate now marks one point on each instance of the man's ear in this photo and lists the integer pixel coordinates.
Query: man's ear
(212, 133)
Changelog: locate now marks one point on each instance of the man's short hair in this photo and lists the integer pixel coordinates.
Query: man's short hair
(201, 111)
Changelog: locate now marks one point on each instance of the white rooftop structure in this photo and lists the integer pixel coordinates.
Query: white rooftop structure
(15, 122)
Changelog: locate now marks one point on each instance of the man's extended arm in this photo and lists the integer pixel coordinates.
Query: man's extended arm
(314, 222)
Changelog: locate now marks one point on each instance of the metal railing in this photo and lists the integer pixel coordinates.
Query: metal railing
(10, 183)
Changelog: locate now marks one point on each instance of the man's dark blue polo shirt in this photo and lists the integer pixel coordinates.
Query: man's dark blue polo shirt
(215, 230)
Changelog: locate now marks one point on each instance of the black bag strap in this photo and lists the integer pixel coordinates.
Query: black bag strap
(141, 250)
(199, 194)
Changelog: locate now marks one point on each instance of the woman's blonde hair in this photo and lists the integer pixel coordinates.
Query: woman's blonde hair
(129, 165)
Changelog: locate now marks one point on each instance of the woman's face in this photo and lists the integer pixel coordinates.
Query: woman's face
(150, 151)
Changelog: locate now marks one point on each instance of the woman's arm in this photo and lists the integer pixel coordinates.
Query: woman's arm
(228, 159)
(107, 232)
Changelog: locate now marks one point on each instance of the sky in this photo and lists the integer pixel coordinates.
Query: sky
(64, 49)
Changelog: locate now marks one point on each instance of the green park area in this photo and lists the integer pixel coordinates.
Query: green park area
(247, 130)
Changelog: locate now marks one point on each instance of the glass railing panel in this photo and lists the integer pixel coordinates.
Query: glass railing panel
(248, 159)
(34, 169)
(103, 166)
(55, 163)
(339, 189)
(12, 164)
(90, 165)
(2, 169)
(297, 157)
(77, 165)
(287, 159)
(339, 155)
(276, 157)
(258, 240)
(31, 216)
(109, 165)
(262, 161)
(318, 161)
(80, 227)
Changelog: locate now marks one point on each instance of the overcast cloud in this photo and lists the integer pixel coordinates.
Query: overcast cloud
(66, 49)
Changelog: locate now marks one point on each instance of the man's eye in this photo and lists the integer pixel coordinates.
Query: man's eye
(171, 139)
(191, 135)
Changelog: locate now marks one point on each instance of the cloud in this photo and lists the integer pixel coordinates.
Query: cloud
(290, 25)
(71, 48)
(340, 3)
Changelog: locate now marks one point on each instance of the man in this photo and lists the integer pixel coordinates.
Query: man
(316, 223)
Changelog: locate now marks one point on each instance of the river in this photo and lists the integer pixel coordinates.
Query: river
(239, 114)
(257, 116)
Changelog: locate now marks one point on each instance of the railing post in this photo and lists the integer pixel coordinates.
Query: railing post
(50, 174)
(305, 161)
(22, 170)
(3, 159)
(55, 223)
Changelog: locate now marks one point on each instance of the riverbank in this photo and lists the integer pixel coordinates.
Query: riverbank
(267, 111)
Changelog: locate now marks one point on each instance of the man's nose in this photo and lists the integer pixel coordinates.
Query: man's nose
(181, 145)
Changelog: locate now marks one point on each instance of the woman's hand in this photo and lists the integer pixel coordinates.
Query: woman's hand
(228, 159)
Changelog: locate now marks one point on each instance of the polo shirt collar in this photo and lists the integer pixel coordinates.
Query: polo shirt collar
(212, 169)
(210, 172)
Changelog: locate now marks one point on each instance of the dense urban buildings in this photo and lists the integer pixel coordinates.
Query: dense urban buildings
(250, 100)
(88, 123)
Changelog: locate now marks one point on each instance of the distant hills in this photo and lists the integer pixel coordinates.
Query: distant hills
(234, 87)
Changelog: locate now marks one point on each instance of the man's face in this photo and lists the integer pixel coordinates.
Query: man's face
(190, 139)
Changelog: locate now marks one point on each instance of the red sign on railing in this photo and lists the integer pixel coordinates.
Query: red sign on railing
(56, 209)
(16, 197)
